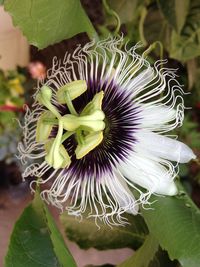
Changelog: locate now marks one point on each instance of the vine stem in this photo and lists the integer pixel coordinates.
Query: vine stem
(111, 12)
(141, 28)
(152, 47)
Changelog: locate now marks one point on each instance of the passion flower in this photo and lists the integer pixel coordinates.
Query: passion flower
(97, 129)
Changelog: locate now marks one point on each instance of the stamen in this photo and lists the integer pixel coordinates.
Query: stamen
(69, 103)
(79, 137)
(43, 129)
(66, 136)
(44, 98)
(57, 156)
(90, 142)
(93, 105)
(74, 89)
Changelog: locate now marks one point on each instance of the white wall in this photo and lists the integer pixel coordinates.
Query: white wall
(14, 48)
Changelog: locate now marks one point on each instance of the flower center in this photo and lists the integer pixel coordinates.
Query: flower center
(87, 126)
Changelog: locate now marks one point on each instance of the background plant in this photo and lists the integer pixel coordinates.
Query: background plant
(11, 109)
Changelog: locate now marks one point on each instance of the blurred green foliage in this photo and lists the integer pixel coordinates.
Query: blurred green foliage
(11, 107)
(175, 23)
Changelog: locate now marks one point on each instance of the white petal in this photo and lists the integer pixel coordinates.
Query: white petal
(163, 147)
(149, 174)
(154, 117)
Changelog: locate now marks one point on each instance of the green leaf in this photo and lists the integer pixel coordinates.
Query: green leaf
(149, 255)
(175, 223)
(86, 233)
(175, 12)
(186, 45)
(105, 265)
(156, 29)
(46, 22)
(36, 242)
(144, 255)
(60, 249)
